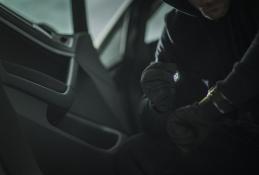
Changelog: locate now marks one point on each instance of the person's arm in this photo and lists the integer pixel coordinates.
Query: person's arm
(242, 83)
(167, 50)
(157, 84)
(238, 87)
(157, 79)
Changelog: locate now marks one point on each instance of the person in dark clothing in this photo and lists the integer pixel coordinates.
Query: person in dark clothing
(212, 41)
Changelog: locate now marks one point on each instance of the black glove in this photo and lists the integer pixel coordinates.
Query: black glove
(152, 122)
(158, 83)
(189, 126)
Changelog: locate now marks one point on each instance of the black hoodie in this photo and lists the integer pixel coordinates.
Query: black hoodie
(210, 49)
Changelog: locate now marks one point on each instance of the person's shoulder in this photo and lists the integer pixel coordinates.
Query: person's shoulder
(173, 16)
(177, 23)
(251, 10)
(177, 15)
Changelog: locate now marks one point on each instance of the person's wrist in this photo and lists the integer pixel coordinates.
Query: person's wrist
(158, 111)
(216, 103)
(162, 111)
(155, 122)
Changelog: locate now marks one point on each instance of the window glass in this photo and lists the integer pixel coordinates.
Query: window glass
(100, 12)
(54, 13)
(112, 52)
(156, 24)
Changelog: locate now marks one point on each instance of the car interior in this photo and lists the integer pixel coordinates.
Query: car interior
(67, 102)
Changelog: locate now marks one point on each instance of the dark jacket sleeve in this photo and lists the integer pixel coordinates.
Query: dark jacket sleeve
(242, 83)
(164, 47)
(177, 43)
(166, 50)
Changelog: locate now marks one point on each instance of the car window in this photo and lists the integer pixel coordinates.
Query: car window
(156, 24)
(54, 13)
(112, 53)
(98, 21)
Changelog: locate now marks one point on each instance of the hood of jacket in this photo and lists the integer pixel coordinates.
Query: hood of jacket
(183, 6)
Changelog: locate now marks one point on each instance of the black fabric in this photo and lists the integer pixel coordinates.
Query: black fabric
(154, 122)
(209, 49)
(184, 6)
(158, 85)
(16, 156)
(242, 84)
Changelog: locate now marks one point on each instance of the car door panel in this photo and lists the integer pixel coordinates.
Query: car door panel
(89, 104)
(32, 67)
(41, 80)
(61, 149)
(34, 76)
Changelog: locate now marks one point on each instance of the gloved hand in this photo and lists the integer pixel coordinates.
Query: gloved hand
(152, 122)
(158, 83)
(189, 126)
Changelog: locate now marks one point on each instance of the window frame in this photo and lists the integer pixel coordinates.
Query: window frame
(32, 31)
(156, 6)
(121, 17)
(28, 17)
(119, 21)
